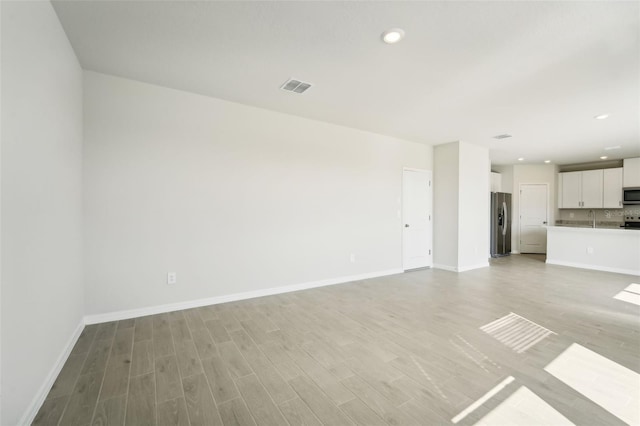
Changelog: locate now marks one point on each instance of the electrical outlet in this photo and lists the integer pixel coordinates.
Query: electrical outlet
(352, 258)
(172, 278)
(589, 250)
(571, 215)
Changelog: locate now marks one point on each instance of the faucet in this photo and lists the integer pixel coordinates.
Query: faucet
(592, 213)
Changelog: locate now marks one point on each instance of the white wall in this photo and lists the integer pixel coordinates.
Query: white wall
(1, 399)
(526, 173)
(42, 289)
(474, 205)
(461, 206)
(230, 197)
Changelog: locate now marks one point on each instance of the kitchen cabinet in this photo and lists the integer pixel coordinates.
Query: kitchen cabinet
(582, 190)
(631, 178)
(496, 182)
(612, 188)
(559, 186)
(592, 189)
(572, 190)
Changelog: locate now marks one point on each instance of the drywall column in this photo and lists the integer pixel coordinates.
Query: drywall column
(41, 170)
(446, 170)
(461, 206)
(474, 204)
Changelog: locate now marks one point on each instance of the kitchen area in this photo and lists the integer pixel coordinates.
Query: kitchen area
(598, 221)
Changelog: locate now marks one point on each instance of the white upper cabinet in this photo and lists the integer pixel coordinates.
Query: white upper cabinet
(592, 189)
(631, 173)
(559, 186)
(572, 190)
(496, 182)
(612, 188)
(581, 190)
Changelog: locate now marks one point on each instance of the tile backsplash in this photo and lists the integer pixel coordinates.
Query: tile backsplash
(608, 217)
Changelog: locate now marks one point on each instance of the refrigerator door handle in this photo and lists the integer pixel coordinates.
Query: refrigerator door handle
(506, 218)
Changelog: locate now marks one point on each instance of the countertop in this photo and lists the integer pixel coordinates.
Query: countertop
(564, 225)
(588, 229)
(600, 224)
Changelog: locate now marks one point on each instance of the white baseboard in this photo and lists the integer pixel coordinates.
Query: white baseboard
(593, 267)
(445, 267)
(478, 266)
(463, 269)
(515, 252)
(30, 415)
(170, 307)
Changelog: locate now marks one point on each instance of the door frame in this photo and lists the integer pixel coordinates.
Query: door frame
(401, 211)
(520, 210)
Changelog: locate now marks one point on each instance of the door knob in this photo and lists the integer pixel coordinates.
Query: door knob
(406, 225)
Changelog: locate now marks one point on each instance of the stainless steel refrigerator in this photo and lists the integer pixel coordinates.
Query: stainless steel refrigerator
(500, 224)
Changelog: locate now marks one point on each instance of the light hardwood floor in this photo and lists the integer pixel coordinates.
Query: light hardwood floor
(399, 350)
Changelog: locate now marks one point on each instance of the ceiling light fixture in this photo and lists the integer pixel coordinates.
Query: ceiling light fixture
(547, 161)
(604, 157)
(601, 116)
(610, 148)
(393, 35)
(520, 159)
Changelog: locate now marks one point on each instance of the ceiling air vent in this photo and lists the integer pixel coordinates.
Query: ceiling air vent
(503, 136)
(295, 86)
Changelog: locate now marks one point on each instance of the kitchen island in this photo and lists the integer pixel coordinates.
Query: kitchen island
(603, 249)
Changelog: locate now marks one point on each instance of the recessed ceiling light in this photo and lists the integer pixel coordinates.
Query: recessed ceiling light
(547, 161)
(601, 116)
(520, 159)
(604, 157)
(393, 35)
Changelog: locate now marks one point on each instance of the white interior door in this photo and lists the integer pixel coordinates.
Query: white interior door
(416, 219)
(533, 218)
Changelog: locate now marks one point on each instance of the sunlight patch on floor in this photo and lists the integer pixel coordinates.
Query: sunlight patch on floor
(516, 332)
(607, 383)
(482, 400)
(630, 294)
(523, 408)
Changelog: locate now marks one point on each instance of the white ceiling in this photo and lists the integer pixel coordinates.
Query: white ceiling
(465, 71)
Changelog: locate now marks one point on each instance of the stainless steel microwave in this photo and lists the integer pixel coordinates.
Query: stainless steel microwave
(631, 196)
